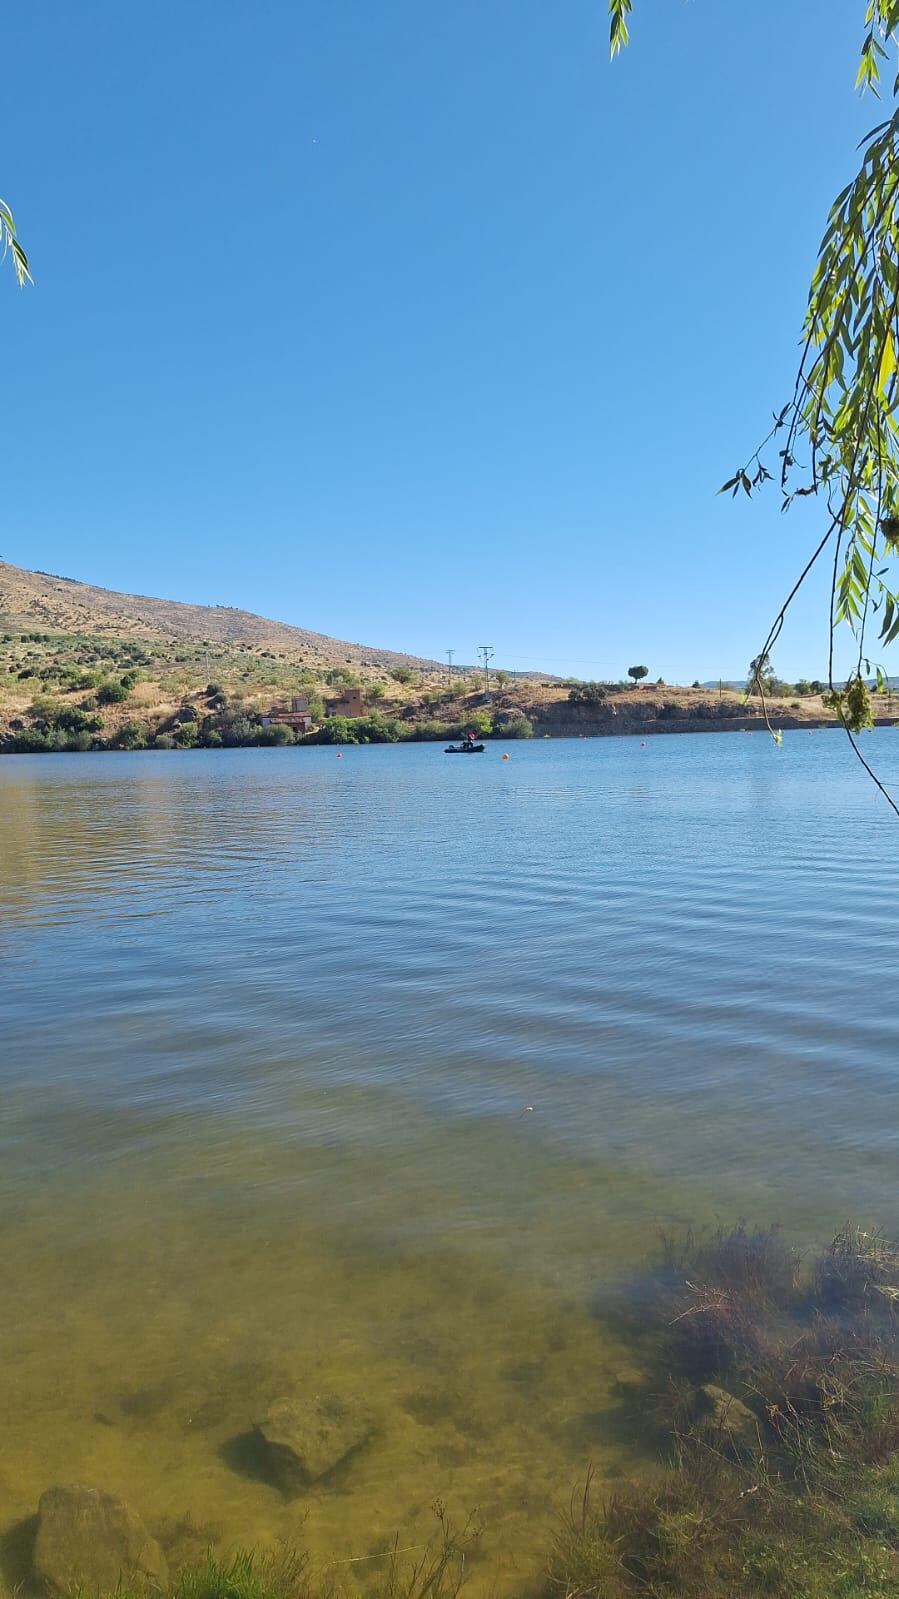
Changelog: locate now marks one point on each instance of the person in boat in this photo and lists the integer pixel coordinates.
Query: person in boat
(469, 739)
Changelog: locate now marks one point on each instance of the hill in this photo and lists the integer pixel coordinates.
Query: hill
(85, 668)
(63, 606)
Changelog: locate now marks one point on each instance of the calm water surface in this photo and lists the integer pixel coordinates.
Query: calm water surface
(379, 1076)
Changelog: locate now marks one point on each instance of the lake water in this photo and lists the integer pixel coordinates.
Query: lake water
(378, 1076)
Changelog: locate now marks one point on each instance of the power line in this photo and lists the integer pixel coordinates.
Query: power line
(486, 652)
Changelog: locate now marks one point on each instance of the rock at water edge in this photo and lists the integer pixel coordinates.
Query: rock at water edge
(87, 1536)
(720, 1412)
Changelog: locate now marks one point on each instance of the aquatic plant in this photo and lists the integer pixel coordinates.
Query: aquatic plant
(713, 1530)
(279, 1575)
(755, 1263)
(787, 1481)
(714, 1291)
(857, 1267)
(439, 1569)
(435, 1569)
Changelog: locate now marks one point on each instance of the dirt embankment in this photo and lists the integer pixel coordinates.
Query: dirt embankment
(644, 711)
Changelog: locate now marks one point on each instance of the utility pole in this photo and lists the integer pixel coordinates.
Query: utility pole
(449, 656)
(486, 652)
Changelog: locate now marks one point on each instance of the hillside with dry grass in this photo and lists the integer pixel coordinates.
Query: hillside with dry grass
(85, 668)
(39, 601)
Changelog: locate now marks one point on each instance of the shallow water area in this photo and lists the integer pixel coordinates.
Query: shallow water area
(379, 1076)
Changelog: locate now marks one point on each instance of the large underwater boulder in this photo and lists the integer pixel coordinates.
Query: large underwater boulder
(306, 1439)
(87, 1536)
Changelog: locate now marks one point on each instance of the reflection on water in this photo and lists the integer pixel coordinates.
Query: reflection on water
(380, 1076)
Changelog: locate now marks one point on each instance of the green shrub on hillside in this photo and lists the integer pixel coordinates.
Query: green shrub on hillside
(587, 693)
(37, 741)
(50, 716)
(275, 733)
(373, 729)
(425, 732)
(512, 725)
(237, 729)
(43, 708)
(112, 693)
(130, 737)
(28, 741)
(72, 720)
(335, 730)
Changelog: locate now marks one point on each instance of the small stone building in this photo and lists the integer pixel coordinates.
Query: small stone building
(349, 704)
(298, 717)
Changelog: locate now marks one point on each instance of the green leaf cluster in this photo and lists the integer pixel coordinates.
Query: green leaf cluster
(9, 245)
(619, 11)
(852, 705)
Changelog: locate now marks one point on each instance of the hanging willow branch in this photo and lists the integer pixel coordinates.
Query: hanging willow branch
(619, 11)
(837, 437)
(11, 246)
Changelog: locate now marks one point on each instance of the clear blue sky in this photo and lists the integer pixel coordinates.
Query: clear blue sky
(415, 321)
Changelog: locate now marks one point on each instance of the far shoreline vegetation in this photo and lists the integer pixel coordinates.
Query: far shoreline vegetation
(95, 706)
(105, 672)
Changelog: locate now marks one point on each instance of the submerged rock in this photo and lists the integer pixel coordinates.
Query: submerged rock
(306, 1439)
(630, 1382)
(715, 1410)
(87, 1536)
